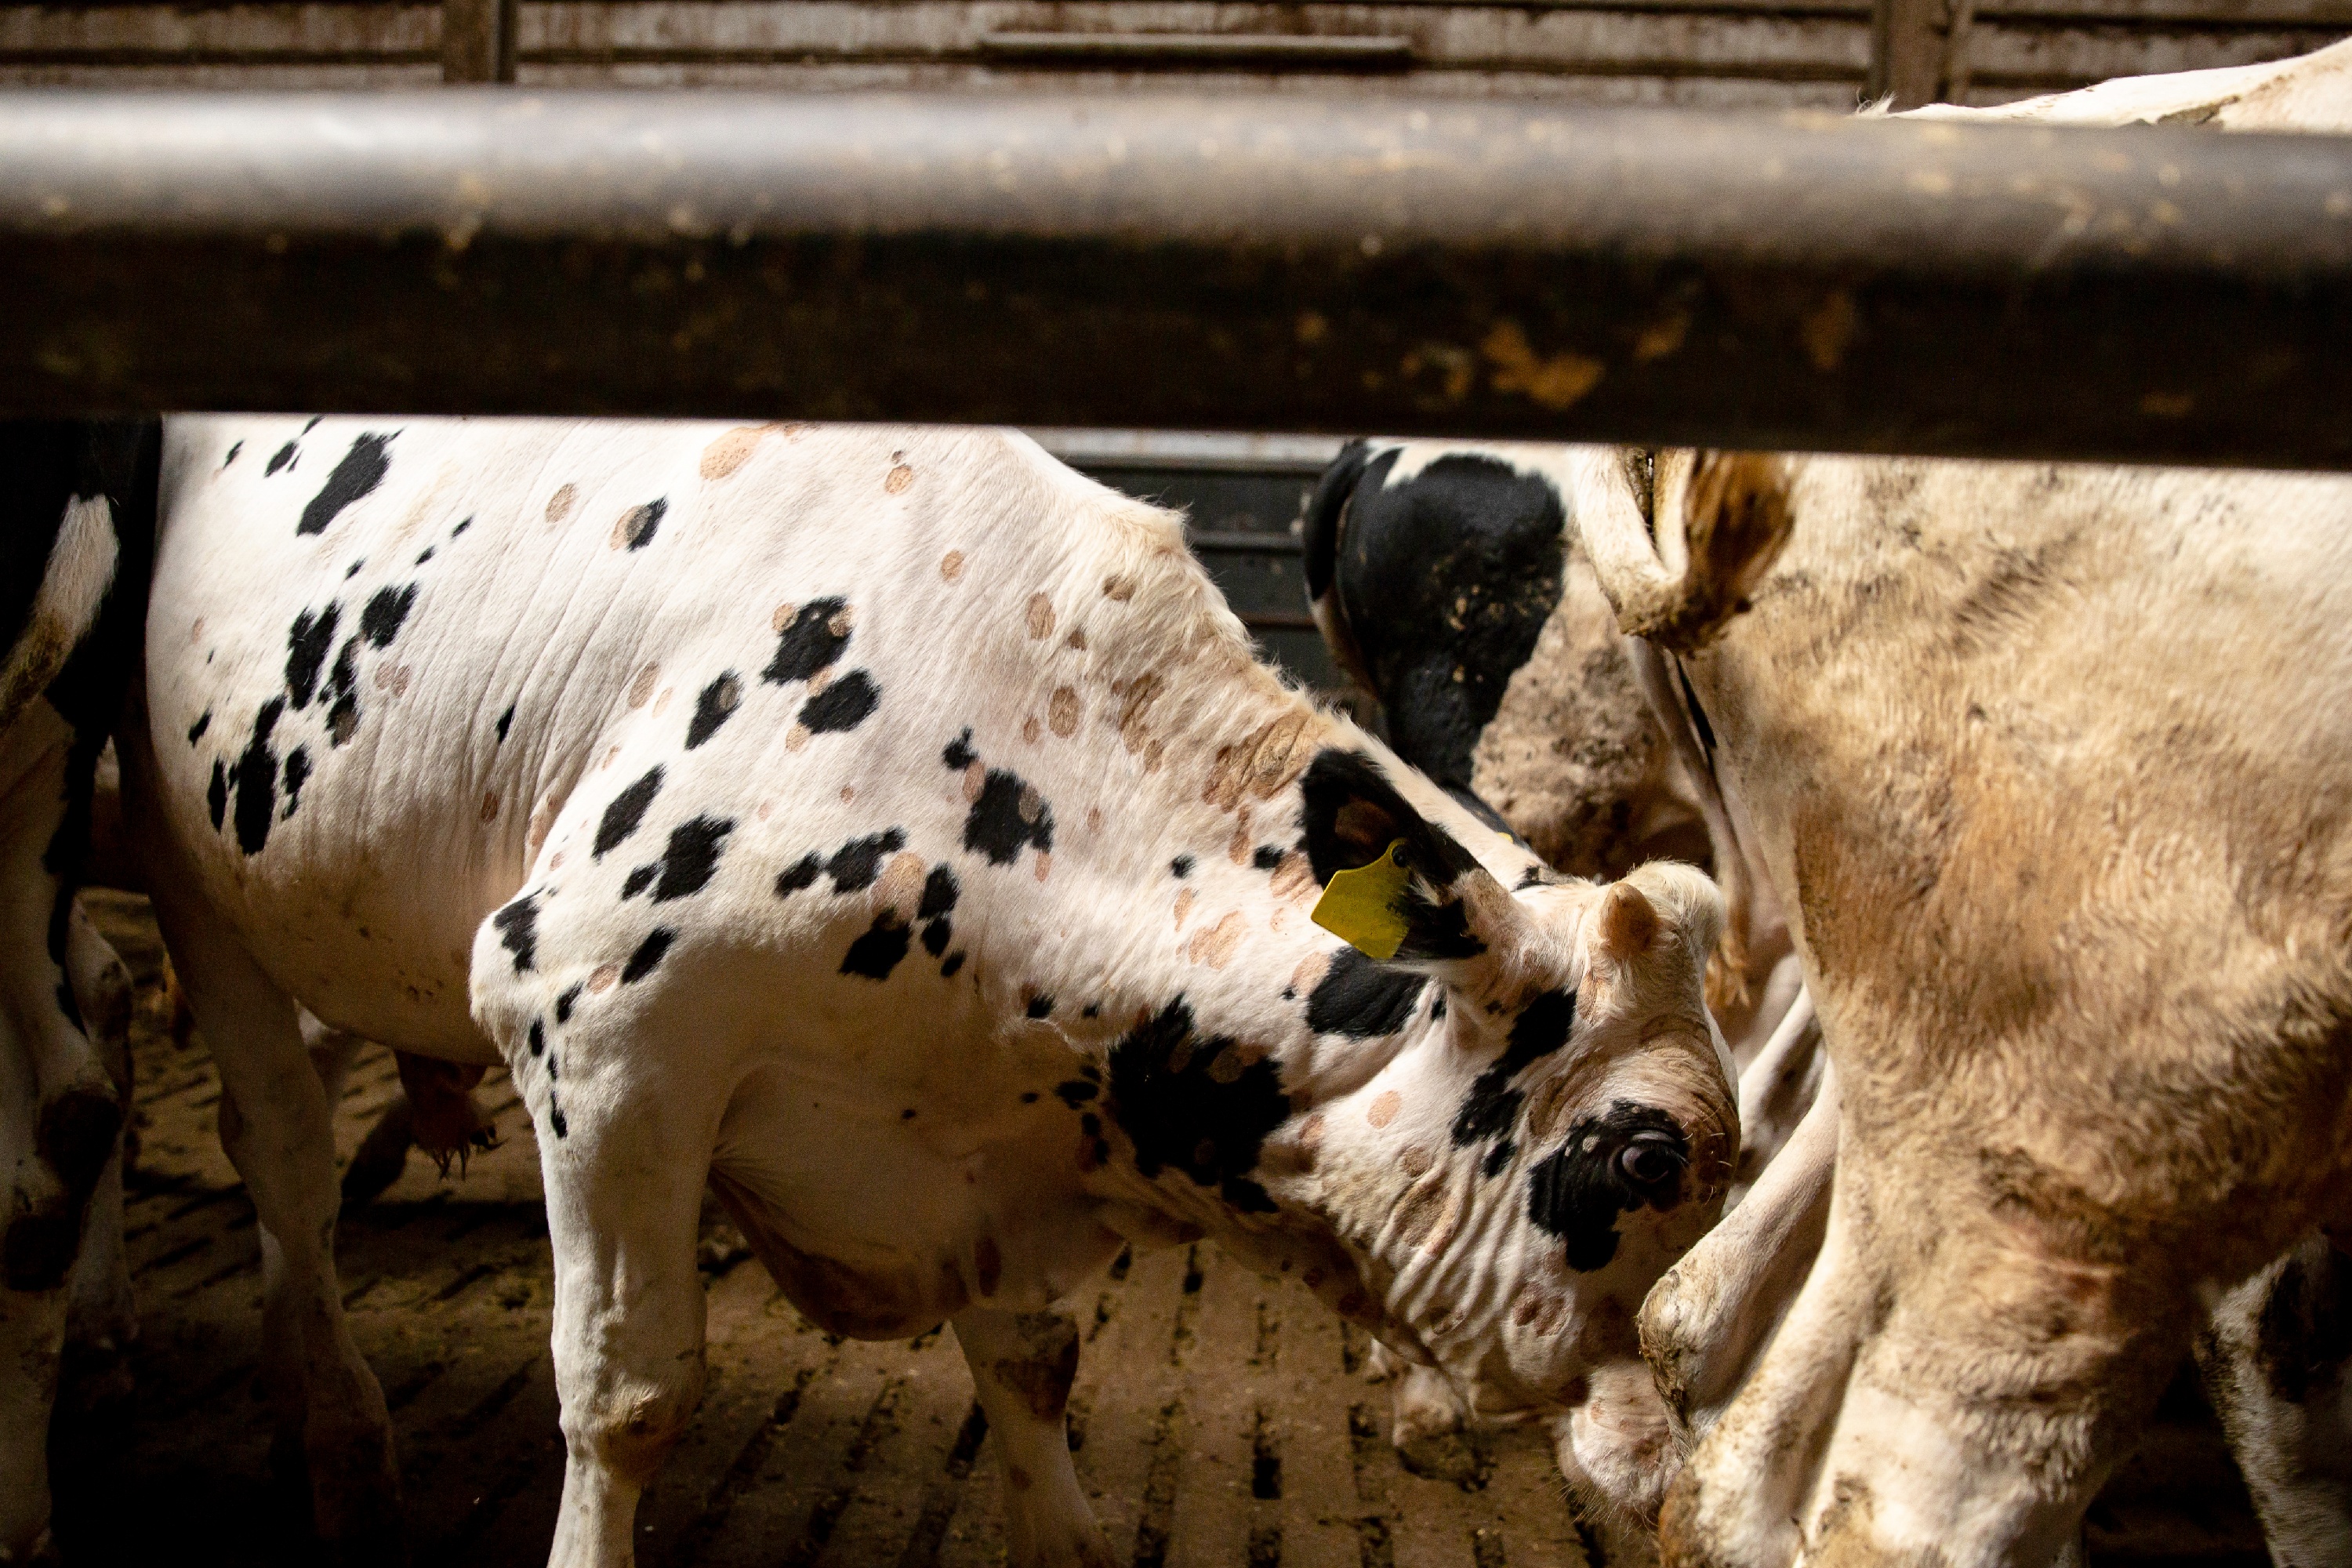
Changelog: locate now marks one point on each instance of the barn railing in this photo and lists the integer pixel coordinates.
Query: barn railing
(1186, 262)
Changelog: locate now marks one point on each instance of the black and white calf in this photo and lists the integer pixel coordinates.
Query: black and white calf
(894, 828)
(76, 517)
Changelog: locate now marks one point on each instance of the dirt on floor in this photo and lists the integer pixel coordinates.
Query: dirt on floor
(1220, 1418)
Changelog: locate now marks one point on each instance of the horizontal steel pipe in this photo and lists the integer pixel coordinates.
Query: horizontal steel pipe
(1186, 262)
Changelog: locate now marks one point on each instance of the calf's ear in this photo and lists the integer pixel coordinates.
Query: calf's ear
(1398, 887)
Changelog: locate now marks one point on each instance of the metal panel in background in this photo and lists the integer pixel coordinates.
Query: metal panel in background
(1186, 262)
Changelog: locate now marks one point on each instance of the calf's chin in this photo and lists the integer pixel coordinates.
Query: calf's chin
(1616, 1450)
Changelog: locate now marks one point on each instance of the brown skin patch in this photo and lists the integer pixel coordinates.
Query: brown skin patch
(1183, 906)
(641, 689)
(1119, 588)
(1238, 848)
(1138, 696)
(606, 976)
(730, 451)
(631, 527)
(1044, 865)
(796, 737)
(560, 504)
(1216, 945)
(1264, 762)
(1293, 875)
(542, 820)
(1041, 1376)
(897, 479)
(1418, 1212)
(952, 565)
(1031, 731)
(1094, 819)
(1040, 616)
(1062, 711)
(1384, 1108)
(489, 806)
(1416, 1160)
(1309, 973)
(1077, 639)
(900, 886)
(975, 780)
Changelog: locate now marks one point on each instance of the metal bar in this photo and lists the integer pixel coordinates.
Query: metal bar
(1409, 266)
(478, 40)
(1193, 50)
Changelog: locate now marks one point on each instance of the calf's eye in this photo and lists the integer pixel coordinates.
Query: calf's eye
(1650, 1160)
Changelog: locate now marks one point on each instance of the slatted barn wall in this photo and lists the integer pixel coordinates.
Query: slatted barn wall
(1705, 52)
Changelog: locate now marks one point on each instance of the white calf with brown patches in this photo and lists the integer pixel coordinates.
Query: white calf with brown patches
(893, 828)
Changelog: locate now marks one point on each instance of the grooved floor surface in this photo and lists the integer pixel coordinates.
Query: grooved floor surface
(1219, 1420)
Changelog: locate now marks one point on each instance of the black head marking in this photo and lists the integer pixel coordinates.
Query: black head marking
(1631, 1157)
(1492, 1106)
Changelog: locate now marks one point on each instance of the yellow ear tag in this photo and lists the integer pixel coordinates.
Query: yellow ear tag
(1361, 906)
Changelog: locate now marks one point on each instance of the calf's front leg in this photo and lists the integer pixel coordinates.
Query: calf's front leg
(1021, 1367)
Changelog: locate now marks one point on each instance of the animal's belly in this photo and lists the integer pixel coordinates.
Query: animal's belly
(883, 1208)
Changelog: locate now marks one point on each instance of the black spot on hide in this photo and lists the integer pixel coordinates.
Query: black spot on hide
(878, 952)
(518, 928)
(692, 857)
(196, 730)
(1075, 1093)
(313, 424)
(937, 935)
(798, 874)
(713, 708)
(298, 774)
(387, 608)
(257, 781)
(635, 881)
(855, 864)
(564, 1003)
(216, 795)
(361, 469)
(1362, 998)
(1352, 812)
(940, 894)
(809, 644)
(1040, 1007)
(954, 963)
(1185, 1104)
(278, 459)
(461, 528)
(844, 705)
(537, 1038)
(1180, 867)
(555, 1117)
(308, 642)
(1492, 1106)
(626, 812)
(427, 555)
(1608, 1165)
(997, 827)
(1267, 858)
(2302, 1334)
(235, 447)
(506, 721)
(649, 953)
(639, 523)
(959, 753)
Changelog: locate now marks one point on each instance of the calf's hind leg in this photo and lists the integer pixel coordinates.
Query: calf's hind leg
(1021, 1367)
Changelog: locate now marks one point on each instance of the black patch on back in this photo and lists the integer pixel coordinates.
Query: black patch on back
(1580, 1190)
(855, 864)
(878, 952)
(713, 708)
(298, 774)
(1456, 569)
(234, 448)
(278, 459)
(506, 720)
(564, 1005)
(688, 865)
(1492, 1106)
(1163, 1093)
(196, 730)
(809, 644)
(636, 881)
(308, 642)
(959, 753)
(626, 810)
(216, 795)
(361, 469)
(649, 953)
(387, 609)
(798, 874)
(844, 705)
(937, 935)
(940, 894)
(995, 827)
(1437, 931)
(1075, 1093)
(954, 961)
(518, 928)
(257, 781)
(537, 1038)
(1362, 998)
